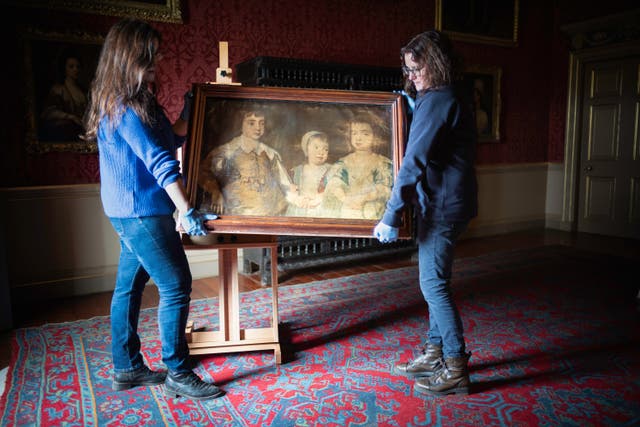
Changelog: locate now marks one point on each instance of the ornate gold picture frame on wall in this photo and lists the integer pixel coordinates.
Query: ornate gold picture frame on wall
(59, 68)
(289, 161)
(148, 10)
(482, 87)
(479, 21)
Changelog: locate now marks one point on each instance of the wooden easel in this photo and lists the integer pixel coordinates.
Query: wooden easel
(231, 337)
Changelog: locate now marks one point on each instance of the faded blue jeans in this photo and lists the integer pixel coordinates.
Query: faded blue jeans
(436, 242)
(150, 247)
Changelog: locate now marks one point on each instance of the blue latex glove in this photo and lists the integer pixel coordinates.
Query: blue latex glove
(186, 108)
(411, 103)
(193, 222)
(385, 233)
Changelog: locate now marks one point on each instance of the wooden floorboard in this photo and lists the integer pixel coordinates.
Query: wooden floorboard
(88, 306)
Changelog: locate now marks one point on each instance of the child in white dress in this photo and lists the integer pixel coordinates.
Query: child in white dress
(311, 178)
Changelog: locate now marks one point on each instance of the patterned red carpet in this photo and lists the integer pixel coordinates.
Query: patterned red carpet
(555, 336)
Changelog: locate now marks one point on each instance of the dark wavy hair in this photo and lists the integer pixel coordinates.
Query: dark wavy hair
(432, 49)
(129, 50)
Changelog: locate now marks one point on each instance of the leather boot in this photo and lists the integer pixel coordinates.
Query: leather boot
(425, 365)
(141, 376)
(190, 385)
(453, 378)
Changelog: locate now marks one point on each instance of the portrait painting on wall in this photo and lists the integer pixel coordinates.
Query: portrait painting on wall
(482, 88)
(479, 21)
(296, 161)
(59, 70)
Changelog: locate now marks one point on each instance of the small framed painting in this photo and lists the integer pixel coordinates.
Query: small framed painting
(482, 87)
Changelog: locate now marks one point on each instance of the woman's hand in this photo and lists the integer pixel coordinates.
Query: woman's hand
(192, 222)
(385, 233)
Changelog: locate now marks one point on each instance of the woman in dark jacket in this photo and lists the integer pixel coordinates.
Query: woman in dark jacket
(438, 177)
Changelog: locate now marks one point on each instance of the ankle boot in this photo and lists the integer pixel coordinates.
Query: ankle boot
(190, 385)
(453, 378)
(141, 376)
(425, 365)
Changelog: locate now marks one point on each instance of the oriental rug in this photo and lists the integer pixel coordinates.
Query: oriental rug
(555, 337)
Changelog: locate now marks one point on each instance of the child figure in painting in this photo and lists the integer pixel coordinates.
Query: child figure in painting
(361, 181)
(245, 176)
(310, 179)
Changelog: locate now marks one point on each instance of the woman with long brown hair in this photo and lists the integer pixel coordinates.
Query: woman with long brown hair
(141, 187)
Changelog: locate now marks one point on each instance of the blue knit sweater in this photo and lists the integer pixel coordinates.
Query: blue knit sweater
(136, 163)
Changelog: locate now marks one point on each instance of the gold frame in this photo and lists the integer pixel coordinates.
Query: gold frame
(168, 12)
(90, 44)
(292, 112)
(509, 40)
(486, 76)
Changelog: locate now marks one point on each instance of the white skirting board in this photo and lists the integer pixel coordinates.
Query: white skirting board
(59, 242)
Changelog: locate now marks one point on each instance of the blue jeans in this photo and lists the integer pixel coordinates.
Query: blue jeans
(150, 247)
(436, 241)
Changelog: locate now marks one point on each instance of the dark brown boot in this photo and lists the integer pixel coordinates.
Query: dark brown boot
(424, 365)
(453, 378)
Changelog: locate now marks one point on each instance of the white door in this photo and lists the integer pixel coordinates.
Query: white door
(609, 189)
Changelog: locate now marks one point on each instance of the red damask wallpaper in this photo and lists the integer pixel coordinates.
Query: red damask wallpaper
(368, 32)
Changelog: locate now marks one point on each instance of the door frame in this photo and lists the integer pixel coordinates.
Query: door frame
(585, 50)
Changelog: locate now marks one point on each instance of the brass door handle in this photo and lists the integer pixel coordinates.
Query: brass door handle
(588, 168)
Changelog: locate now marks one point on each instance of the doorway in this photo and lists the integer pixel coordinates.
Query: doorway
(601, 193)
(609, 171)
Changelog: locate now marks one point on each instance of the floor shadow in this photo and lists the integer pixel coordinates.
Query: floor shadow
(287, 330)
(487, 279)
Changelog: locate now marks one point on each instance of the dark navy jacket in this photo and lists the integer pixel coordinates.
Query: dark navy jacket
(437, 174)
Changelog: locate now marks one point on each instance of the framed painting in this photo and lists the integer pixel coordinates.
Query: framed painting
(289, 161)
(479, 21)
(148, 10)
(59, 68)
(482, 88)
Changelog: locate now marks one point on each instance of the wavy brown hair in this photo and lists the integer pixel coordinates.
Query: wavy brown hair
(432, 49)
(129, 50)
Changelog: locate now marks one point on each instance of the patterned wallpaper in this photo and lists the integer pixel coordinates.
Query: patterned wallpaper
(357, 31)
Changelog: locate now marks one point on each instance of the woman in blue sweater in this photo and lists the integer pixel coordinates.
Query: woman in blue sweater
(438, 177)
(141, 187)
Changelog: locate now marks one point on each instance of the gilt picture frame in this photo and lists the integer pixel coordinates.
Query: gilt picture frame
(482, 87)
(59, 68)
(147, 10)
(290, 161)
(479, 21)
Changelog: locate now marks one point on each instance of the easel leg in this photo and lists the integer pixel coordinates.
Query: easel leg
(231, 337)
(229, 294)
(274, 298)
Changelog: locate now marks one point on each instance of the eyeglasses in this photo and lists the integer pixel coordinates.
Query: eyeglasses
(415, 71)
